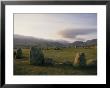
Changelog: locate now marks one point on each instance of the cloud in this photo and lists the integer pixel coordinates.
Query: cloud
(74, 33)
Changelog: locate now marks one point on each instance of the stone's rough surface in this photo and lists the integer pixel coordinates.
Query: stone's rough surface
(19, 54)
(77, 59)
(80, 59)
(36, 56)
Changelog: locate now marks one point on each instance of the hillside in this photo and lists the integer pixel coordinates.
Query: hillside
(87, 43)
(28, 41)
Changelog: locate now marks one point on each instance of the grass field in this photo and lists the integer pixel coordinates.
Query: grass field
(22, 67)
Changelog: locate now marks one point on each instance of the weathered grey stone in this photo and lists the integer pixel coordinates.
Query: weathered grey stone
(19, 54)
(82, 59)
(36, 56)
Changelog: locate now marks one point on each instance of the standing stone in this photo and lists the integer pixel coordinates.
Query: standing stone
(19, 54)
(77, 59)
(36, 56)
(80, 59)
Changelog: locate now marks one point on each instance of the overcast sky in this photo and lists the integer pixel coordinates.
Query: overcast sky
(70, 27)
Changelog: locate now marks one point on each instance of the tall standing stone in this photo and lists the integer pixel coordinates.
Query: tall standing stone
(77, 59)
(36, 56)
(19, 54)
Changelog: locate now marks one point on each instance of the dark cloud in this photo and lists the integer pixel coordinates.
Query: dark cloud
(73, 33)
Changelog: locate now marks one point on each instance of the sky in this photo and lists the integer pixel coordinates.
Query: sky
(65, 26)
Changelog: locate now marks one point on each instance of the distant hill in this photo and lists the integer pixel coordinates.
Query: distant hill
(78, 43)
(87, 43)
(29, 41)
(91, 42)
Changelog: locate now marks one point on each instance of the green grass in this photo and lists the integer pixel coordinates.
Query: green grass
(22, 67)
(69, 54)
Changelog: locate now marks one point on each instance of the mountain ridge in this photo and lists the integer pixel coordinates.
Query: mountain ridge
(28, 41)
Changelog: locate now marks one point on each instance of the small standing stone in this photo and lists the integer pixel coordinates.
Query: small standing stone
(19, 54)
(82, 59)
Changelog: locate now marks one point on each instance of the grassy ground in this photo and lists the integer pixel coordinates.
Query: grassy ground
(69, 54)
(22, 67)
